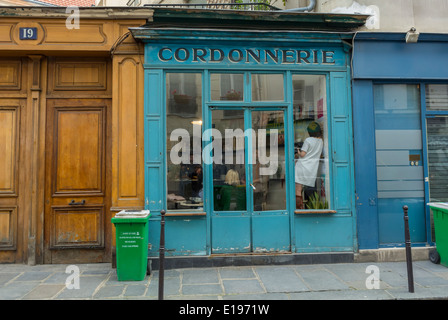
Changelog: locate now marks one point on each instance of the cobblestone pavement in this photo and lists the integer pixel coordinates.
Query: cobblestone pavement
(346, 281)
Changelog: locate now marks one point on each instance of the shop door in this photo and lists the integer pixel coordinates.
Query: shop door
(399, 162)
(77, 225)
(249, 212)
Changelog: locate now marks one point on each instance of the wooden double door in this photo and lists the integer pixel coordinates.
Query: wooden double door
(77, 226)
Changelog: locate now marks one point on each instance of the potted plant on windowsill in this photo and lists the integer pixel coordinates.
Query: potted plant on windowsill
(315, 205)
(315, 202)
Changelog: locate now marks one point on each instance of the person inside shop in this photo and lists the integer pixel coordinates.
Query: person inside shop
(307, 163)
(232, 195)
(196, 182)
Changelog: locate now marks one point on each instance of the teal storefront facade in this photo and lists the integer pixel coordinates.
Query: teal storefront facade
(236, 101)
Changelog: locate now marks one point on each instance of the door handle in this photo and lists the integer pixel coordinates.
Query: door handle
(73, 203)
(253, 187)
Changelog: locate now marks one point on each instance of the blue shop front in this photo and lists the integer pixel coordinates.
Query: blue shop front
(400, 106)
(230, 114)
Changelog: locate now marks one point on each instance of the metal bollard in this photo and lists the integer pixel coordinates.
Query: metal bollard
(407, 239)
(161, 253)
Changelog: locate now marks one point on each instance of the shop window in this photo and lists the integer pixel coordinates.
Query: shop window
(229, 174)
(269, 176)
(227, 86)
(311, 142)
(267, 87)
(183, 134)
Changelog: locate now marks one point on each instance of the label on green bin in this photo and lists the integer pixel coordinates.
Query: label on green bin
(129, 239)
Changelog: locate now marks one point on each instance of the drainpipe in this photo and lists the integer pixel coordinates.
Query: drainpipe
(310, 7)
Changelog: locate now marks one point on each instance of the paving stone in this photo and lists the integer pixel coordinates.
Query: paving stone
(5, 277)
(242, 286)
(33, 276)
(87, 287)
(44, 292)
(16, 290)
(322, 280)
(135, 290)
(394, 279)
(237, 273)
(190, 289)
(348, 272)
(197, 276)
(109, 292)
(280, 279)
(171, 286)
(431, 267)
(57, 278)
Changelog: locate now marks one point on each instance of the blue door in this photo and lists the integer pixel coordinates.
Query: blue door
(399, 162)
(249, 207)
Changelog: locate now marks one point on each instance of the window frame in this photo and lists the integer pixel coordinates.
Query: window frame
(287, 103)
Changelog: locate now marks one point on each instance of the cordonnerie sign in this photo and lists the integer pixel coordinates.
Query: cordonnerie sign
(195, 55)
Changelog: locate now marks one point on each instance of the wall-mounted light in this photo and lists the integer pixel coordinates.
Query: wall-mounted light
(412, 35)
(197, 122)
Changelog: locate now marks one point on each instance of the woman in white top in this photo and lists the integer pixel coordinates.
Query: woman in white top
(308, 162)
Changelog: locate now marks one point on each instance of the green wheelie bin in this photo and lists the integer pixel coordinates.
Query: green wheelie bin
(440, 218)
(131, 244)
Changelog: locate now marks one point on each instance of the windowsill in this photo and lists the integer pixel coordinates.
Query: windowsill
(184, 214)
(314, 211)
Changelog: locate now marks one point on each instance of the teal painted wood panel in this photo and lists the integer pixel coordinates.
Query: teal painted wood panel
(270, 233)
(341, 143)
(184, 236)
(324, 233)
(153, 133)
(342, 187)
(155, 182)
(153, 93)
(154, 193)
(154, 236)
(231, 234)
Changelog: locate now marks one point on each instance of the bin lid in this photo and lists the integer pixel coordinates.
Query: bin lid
(440, 205)
(126, 214)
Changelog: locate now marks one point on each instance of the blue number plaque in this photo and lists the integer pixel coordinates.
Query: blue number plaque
(28, 33)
